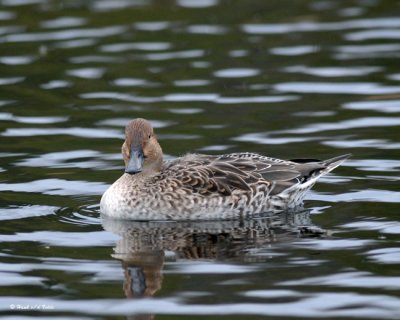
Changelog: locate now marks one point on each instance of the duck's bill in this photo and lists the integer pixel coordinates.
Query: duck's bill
(136, 160)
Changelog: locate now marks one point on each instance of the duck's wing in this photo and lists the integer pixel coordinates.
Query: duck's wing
(287, 174)
(223, 174)
(207, 175)
(276, 174)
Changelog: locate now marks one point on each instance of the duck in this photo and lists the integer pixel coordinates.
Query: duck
(205, 187)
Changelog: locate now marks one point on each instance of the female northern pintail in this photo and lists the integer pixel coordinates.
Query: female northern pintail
(198, 186)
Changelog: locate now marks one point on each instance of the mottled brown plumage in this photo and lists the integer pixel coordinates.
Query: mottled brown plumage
(198, 186)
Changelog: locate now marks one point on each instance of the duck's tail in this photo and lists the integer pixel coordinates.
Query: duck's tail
(334, 162)
(312, 171)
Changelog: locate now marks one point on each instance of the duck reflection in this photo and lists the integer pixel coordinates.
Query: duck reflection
(143, 245)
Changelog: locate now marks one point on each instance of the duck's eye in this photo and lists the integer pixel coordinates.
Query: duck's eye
(149, 136)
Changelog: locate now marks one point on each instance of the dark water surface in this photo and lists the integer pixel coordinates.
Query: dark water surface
(283, 78)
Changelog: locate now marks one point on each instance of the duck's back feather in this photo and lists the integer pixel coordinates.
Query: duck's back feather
(225, 174)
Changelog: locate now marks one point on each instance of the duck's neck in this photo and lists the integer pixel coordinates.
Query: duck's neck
(155, 167)
(149, 170)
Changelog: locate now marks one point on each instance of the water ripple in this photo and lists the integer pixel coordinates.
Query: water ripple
(333, 71)
(185, 54)
(385, 255)
(308, 26)
(273, 294)
(10, 29)
(71, 159)
(178, 97)
(382, 144)
(11, 80)
(350, 279)
(365, 122)
(365, 88)
(198, 267)
(65, 34)
(238, 53)
(7, 15)
(265, 138)
(14, 3)
(77, 132)
(55, 84)
(106, 5)
(118, 96)
(366, 195)
(333, 244)
(185, 110)
(96, 59)
(351, 11)
(16, 278)
(394, 76)
(294, 51)
(17, 60)
(194, 4)
(206, 29)
(388, 227)
(191, 83)
(367, 51)
(218, 147)
(236, 73)
(31, 120)
(122, 122)
(63, 22)
(152, 25)
(375, 165)
(64, 239)
(133, 82)
(69, 44)
(56, 187)
(28, 211)
(85, 215)
(96, 270)
(373, 34)
(385, 106)
(86, 73)
(145, 46)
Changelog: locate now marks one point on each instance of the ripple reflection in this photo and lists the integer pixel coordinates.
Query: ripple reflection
(143, 246)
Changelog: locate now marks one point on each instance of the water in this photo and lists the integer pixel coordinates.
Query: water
(287, 79)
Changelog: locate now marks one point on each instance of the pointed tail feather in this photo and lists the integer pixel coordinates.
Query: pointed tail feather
(334, 162)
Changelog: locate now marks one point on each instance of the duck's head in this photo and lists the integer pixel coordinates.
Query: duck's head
(141, 151)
